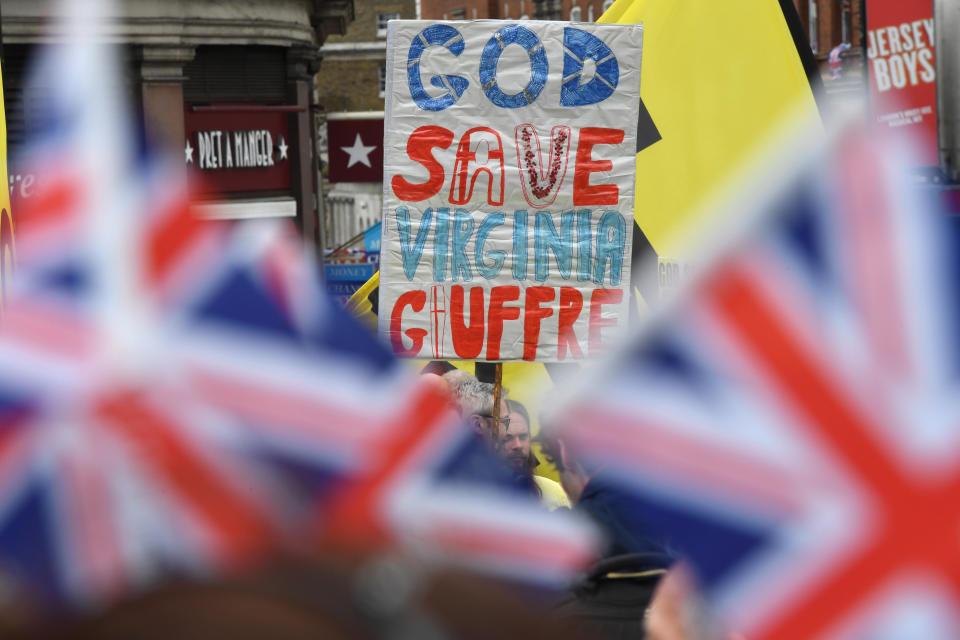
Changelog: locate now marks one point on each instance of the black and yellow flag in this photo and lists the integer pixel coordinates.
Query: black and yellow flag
(719, 80)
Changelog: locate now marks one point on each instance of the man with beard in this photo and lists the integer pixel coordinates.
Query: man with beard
(515, 448)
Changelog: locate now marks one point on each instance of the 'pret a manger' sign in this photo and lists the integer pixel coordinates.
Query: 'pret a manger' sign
(508, 188)
(239, 150)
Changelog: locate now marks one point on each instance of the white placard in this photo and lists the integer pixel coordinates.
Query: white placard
(508, 188)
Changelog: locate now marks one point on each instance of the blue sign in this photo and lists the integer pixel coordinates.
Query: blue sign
(343, 280)
(349, 272)
(371, 238)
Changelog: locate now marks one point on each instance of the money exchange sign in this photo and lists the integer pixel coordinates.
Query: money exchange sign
(508, 188)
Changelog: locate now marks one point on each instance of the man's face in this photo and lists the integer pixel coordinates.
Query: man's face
(515, 442)
(485, 426)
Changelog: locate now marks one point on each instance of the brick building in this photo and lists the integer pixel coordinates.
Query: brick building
(827, 23)
(351, 85)
(837, 24)
(573, 10)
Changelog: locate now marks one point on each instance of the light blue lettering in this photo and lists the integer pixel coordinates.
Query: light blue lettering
(462, 228)
(490, 271)
(546, 237)
(411, 255)
(611, 237)
(520, 226)
(584, 245)
(441, 244)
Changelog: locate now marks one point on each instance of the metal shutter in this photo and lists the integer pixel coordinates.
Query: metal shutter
(236, 74)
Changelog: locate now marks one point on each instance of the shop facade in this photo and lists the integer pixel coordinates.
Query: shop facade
(227, 83)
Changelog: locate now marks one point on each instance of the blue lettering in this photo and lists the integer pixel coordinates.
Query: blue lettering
(440, 35)
(546, 237)
(411, 255)
(462, 228)
(441, 245)
(520, 227)
(490, 271)
(611, 238)
(539, 67)
(580, 46)
(584, 245)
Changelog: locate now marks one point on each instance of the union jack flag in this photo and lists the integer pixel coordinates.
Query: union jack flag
(792, 423)
(177, 395)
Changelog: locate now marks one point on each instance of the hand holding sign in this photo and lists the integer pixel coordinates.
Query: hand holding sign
(508, 203)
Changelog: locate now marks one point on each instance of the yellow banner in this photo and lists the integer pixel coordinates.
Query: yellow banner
(8, 253)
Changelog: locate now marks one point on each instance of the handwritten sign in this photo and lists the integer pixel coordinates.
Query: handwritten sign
(508, 188)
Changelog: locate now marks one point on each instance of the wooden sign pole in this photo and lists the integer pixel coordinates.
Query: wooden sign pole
(497, 394)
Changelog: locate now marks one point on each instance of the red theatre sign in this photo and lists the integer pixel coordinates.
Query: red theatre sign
(239, 148)
(900, 50)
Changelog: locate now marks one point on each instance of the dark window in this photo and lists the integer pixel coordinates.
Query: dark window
(382, 19)
(236, 74)
(29, 108)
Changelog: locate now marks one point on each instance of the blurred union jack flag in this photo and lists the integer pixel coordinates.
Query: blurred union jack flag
(177, 394)
(792, 422)
(154, 368)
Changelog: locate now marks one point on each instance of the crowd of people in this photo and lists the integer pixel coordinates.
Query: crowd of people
(615, 598)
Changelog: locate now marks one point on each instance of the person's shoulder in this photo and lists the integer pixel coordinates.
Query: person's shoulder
(551, 493)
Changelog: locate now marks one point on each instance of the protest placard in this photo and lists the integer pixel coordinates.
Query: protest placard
(508, 188)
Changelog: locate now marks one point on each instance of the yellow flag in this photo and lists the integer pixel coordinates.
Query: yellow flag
(718, 79)
(8, 254)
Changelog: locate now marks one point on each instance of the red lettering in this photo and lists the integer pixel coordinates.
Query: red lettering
(585, 194)
(571, 302)
(599, 298)
(532, 316)
(467, 341)
(461, 187)
(415, 300)
(497, 314)
(419, 148)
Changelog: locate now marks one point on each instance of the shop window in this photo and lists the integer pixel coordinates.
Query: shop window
(814, 27)
(30, 102)
(575, 14)
(382, 19)
(846, 22)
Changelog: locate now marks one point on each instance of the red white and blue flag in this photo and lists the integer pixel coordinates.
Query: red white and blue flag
(792, 423)
(177, 395)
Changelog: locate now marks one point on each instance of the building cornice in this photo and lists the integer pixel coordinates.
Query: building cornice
(190, 23)
(375, 50)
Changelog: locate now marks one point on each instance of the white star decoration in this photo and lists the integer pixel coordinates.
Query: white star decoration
(188, 152)
(359, 153)
(283, 148)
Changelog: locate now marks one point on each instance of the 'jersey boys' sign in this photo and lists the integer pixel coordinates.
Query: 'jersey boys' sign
(508, 188)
